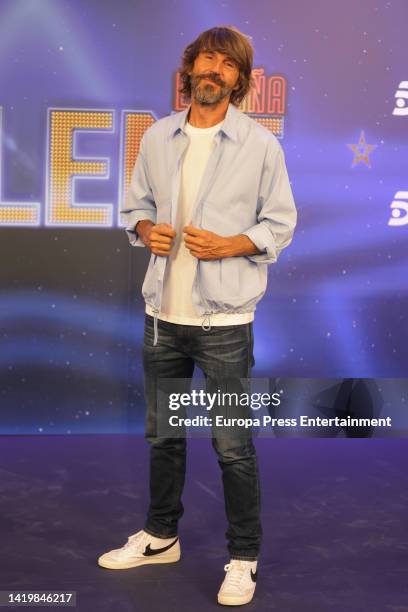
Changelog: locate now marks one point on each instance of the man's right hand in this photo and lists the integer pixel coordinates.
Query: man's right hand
(159, 238)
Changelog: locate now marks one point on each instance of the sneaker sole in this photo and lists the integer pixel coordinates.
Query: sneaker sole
(230, 600)
(146, 561)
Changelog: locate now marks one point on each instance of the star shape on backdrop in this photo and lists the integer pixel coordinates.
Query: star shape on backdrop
(361, 151)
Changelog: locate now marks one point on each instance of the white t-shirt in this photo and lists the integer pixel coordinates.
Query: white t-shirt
(177, 305)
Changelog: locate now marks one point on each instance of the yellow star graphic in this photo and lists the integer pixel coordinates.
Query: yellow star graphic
(361, 151)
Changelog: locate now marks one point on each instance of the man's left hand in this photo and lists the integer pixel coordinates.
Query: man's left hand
(204, 244)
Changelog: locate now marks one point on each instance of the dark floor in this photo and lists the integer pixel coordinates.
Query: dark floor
(334, 517)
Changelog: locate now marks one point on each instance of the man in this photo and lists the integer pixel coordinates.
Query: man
(210, 197)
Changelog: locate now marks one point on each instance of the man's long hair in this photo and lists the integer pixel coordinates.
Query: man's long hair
(224, 39)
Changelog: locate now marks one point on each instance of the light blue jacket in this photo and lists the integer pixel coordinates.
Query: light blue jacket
(245, 190)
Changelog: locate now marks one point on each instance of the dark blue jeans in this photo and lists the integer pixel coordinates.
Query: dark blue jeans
(225, 355)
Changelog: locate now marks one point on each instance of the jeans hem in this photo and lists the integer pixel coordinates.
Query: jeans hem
(244, 557)
(159, 535)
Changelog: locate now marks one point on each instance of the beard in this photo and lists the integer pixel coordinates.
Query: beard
(208, 93)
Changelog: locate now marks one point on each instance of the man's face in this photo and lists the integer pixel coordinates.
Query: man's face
(214, 76)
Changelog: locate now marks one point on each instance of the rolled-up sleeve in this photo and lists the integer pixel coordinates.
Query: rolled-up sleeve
(276, 209)
(139, 202)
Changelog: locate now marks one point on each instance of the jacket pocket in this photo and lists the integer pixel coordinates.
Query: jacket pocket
(232, 284)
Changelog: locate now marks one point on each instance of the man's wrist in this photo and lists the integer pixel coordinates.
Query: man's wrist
(241, 245)
(142, 228)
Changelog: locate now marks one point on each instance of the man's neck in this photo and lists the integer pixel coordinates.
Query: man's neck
(204, 116)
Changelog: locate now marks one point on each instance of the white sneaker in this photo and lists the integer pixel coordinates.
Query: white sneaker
(140, 549)
(239, 583)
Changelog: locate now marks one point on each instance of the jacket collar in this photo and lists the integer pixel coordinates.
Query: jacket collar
(229, 127)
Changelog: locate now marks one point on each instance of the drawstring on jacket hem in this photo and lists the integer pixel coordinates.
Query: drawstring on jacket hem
(155, 326)
(206, 326)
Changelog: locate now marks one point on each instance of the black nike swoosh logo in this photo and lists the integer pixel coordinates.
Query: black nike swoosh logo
(254, 576)
(155, 551)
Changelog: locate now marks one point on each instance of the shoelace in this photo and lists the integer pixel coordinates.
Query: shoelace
(235, 571)
(133, 538)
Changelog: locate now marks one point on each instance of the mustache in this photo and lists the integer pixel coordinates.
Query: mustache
(212, 76)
